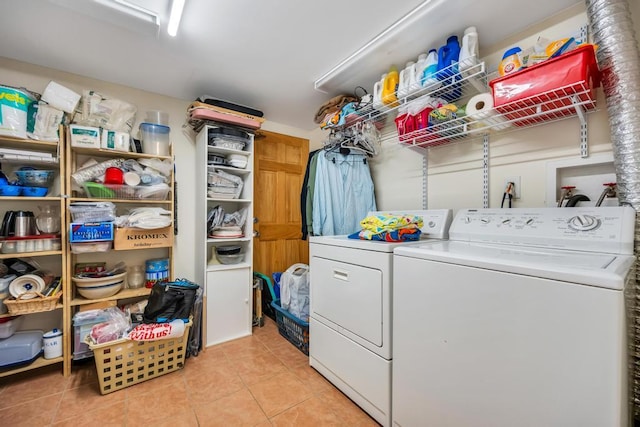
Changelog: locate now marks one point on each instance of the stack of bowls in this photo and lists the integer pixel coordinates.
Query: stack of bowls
(34, 182)
(99, 287)
(229, 254)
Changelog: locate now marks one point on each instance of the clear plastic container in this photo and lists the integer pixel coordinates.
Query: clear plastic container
(136, 276)
(157, 117)
(155, 139)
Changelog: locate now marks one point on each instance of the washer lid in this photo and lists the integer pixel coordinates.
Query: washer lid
(588, 268)
(436, 226)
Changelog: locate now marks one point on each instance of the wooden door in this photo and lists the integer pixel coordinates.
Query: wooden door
(280, 162)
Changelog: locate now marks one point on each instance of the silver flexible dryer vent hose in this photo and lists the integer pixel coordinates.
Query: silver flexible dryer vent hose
(619, 60)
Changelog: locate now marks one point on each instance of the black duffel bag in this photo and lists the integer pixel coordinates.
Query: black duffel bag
(170, 301)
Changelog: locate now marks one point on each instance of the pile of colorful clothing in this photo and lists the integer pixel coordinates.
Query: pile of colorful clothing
(389, 228)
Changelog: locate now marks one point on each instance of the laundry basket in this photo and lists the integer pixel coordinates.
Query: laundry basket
(123, 363)
(295, 330)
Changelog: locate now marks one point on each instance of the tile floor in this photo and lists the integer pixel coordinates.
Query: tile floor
(260, 380)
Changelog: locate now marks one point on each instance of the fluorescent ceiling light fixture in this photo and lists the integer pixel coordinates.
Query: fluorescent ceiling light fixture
(376, 43)
(117, 12)
(177, 6)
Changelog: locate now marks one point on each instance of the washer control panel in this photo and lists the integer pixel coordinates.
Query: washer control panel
(601, 229)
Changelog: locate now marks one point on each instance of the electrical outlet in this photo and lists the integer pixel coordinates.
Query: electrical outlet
(516, 183)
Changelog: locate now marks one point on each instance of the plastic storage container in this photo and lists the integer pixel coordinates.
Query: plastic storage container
(155, 139)
(545, 90)
(22, 348)
(9, 325)
(156, 270)
(232, 139)
(157, 117)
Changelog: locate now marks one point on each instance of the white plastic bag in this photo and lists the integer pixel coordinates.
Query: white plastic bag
(294, 291)
(157, 331)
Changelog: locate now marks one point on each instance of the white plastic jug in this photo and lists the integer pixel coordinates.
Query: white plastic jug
(377, 93)
(429, 75)
(469, 51)
(420, 66)
(408, 83)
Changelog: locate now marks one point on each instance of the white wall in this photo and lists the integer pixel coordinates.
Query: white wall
(455, 171)
(36, 78)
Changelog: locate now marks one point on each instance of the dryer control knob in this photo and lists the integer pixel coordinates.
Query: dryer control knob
(584, 223)
(431, 224)
(485, 220)
(467, 220)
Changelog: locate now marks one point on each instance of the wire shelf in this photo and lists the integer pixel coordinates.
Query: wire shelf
(458, 85)
(553, 105)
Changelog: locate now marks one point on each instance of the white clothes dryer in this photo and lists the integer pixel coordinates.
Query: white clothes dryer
(350, 324)
(517, 320)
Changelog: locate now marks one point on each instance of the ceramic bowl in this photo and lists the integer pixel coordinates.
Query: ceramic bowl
(103, 291)
(95, 282)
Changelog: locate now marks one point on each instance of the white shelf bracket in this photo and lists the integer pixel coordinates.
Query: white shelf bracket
(425, 179)
(485, 171)
(584, 133)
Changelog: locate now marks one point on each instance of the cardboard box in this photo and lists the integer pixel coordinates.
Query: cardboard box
(84, 136)
(113, 140)
(136, 238)
(90, 232)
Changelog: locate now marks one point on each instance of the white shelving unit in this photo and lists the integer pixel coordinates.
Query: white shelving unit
(228, 288)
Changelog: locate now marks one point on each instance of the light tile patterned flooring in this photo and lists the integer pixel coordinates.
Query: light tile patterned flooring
(260, 380)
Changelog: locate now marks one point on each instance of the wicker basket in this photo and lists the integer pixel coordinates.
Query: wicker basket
(34, 305)
(123, 363)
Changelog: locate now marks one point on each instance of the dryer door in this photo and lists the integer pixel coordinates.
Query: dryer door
(349, 296)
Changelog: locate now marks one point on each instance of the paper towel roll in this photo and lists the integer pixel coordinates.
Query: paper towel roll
(480, 107)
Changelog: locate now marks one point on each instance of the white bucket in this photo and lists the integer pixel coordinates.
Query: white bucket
(52, 344)
(14, 104)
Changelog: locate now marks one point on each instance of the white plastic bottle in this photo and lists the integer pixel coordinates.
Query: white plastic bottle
(407, 84)
(377, 93)
(429, 75)
(469, 51)
(420, 66)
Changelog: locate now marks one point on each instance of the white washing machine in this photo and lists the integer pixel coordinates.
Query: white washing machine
(517, 320)
(350, 324)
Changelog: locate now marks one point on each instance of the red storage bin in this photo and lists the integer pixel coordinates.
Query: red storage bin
(405, 123)
(544, 91)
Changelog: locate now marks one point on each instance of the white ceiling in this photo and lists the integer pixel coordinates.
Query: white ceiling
(263, 53)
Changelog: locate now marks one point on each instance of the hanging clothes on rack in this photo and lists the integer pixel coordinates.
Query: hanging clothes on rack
(305, 203)
(343, 193)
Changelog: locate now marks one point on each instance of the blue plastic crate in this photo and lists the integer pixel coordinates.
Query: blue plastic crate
(295, 330)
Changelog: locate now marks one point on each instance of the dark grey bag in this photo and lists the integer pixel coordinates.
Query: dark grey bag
(170, 301)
